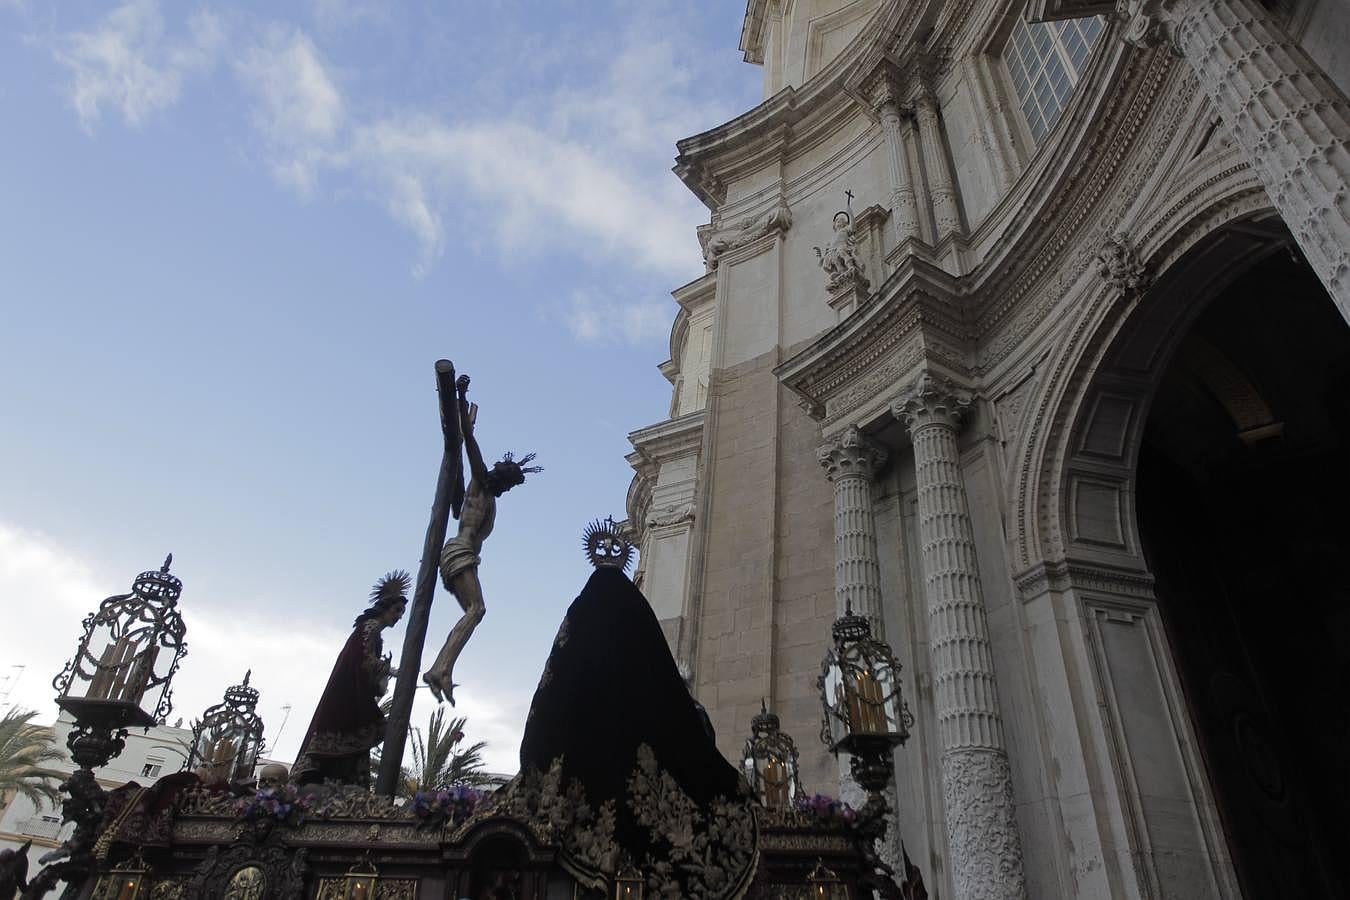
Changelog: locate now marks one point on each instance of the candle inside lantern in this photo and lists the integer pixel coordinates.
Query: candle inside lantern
(128, 889)
(775, 783)
(872, 717)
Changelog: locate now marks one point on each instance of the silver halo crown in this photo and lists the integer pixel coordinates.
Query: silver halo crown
(606, 545)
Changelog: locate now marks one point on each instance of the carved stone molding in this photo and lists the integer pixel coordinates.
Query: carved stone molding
(717, 242)
(671, 515)
(931, 401)
(852, 454)
(1119, 265)
(1062, 576)
(986, 858)
(850, 463)
(1291, 122)
(982, 835)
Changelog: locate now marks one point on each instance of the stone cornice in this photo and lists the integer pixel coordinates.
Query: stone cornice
(794, 119)
(919, 298)
(1061, 575)
(670, 439)
(752, 30)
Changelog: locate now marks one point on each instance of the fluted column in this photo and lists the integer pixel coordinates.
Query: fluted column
(1291, 121)
(986, 851)
(904, 206)
(850, 462)
(941, 185)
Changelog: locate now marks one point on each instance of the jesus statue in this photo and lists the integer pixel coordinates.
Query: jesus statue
(460, 556)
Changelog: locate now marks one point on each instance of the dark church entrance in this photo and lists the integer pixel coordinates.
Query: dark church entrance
(1244, 512)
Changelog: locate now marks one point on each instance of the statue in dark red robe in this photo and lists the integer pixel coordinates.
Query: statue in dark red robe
(348, 722)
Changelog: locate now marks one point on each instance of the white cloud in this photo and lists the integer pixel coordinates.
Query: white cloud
(127, 64)
(535, 188)
(47, 590)
(596, 320)
(298, 108)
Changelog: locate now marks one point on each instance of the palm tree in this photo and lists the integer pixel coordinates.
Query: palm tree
(25, 748)
(440, 761)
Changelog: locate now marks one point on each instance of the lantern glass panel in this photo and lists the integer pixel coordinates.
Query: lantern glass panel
(836, 700)
(130, 649)
(228, 738)
(776, 781)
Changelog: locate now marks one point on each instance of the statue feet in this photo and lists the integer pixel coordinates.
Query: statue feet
(442, 688)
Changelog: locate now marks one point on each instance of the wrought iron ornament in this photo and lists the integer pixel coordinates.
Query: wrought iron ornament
(769, 761)
(229, 737)
(136, 628)
(607, 547)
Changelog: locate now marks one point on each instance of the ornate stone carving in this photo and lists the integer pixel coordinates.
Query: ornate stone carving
(850, 463)
(931, 401)
(671, 515)
(751, 228)
(977, 784)
(1119, 265)
(851, 454)
(884, 93)
(838, 259)
(1291, 121)
(982, 833)
(942, 186)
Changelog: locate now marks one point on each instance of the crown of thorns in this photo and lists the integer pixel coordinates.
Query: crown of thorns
(509, 458)
(393, 586)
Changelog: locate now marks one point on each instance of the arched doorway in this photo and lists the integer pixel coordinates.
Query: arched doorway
(1243, 515)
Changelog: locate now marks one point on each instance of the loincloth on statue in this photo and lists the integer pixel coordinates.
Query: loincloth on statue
(457, 556)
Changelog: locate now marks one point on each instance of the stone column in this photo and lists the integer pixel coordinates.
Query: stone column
(982, 839)
(941, 185)
(850, 462)
(1291, 121)
(904, 207)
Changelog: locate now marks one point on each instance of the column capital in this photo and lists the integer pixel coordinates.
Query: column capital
(852, 453)
(1148, 23)
(931, 401)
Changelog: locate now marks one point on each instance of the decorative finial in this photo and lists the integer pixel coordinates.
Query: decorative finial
(606, 546)
(168, 561)
(247, 675)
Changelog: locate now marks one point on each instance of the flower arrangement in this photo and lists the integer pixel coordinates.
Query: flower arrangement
(826, 808)
(446, 806)
(284, 804)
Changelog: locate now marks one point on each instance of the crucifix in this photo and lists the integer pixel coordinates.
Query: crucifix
(449, 496)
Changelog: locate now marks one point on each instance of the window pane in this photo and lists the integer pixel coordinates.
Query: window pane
(1044, 63)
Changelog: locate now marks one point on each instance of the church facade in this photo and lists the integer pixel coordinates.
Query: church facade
(1024, 333)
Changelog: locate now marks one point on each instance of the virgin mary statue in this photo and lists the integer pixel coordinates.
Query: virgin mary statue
(348, 723)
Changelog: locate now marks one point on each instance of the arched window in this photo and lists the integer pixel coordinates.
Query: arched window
(1045, 61)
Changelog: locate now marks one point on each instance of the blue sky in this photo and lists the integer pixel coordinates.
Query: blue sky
(233, 240)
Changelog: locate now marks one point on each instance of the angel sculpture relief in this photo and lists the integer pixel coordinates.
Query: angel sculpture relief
(838, 259)
(460, 555)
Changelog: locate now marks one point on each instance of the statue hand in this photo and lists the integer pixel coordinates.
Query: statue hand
(462, 383)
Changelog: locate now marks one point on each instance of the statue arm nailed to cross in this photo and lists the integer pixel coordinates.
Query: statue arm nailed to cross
(460, 555)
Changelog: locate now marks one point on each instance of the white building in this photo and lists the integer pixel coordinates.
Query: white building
(148, 755)
(1058, 401)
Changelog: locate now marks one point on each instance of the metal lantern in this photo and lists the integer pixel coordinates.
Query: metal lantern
(127, 881)
(361, 882)
(770, 761)
(130, 650)
(860, 690)
(228, 738)
(825, 884)
(628, 884)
